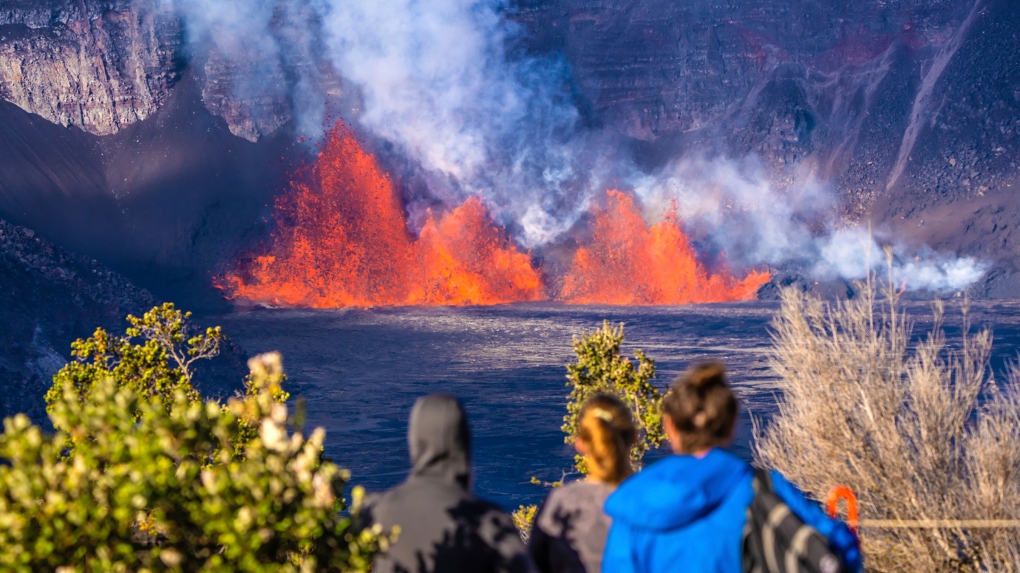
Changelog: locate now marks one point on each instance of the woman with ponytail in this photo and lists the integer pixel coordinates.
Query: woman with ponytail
(570, 530)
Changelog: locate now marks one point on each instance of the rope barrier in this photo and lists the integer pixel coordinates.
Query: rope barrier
(940, 523)
(842, 492)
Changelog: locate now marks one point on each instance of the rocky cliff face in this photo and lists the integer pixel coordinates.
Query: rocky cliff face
(828, 83)
(655, 68)
(98, 65)
(102, 65)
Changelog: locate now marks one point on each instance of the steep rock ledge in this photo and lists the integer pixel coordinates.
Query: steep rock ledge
(96, 65)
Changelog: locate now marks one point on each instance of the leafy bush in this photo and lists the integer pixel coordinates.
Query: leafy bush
(144, 475)
(918, 432)
(524, 518)
(600, 368)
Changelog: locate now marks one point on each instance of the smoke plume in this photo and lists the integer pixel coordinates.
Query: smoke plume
(732, 207)
(446, 86)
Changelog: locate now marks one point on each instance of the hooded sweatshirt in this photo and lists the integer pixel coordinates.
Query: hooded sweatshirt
(443, 526)
(686, 513)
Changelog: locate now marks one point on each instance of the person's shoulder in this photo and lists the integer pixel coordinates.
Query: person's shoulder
(578, 490)
(477, 505)
(670, 467)
(679, 488)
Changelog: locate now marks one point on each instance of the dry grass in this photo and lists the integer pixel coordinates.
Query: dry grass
(919, 432)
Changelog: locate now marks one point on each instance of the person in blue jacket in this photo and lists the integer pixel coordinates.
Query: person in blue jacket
(687, 512)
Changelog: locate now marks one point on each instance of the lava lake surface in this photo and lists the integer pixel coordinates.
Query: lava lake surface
(360, 370)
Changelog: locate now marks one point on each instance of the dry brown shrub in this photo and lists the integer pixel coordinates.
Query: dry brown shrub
(919, 431)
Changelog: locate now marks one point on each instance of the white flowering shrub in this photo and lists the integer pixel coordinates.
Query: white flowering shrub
(140, 481)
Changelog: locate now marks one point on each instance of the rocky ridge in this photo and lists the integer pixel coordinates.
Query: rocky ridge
(97, 65)
(102, 65)
(48, 298)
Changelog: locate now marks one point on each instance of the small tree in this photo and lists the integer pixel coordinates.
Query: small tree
(158, 365)
(601, 368)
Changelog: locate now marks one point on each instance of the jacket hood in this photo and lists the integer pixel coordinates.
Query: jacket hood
(677, 490)
(439, 440)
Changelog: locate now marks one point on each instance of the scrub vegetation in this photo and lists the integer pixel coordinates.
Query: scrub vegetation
(919, 428)
(142, 474)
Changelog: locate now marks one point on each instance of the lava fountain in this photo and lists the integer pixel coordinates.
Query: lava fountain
(628, 262)
(341, 240)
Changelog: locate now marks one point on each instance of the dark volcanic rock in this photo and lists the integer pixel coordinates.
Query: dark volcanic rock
(824, 86)
(164, 201)
(49, 297)
(910, 108)
(959, 185)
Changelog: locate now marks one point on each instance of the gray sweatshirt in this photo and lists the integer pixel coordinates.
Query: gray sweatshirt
(570, 529)
(444, 527)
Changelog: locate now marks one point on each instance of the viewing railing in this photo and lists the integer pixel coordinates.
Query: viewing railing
(844, 493)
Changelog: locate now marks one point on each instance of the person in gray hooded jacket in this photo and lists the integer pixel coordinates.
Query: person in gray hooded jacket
(444, 527)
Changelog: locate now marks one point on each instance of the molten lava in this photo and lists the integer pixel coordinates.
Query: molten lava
(341, 240)
(627, 262)
(465, 259)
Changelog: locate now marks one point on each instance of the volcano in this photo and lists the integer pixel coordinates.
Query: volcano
(536, 161)
(341, 240)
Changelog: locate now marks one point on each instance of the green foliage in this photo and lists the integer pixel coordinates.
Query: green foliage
(601, 368)
(524, 517)
(159, 480)
(157, 367)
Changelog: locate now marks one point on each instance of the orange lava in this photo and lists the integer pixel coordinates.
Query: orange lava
(466, 259)
(627, 262)
(341, 240)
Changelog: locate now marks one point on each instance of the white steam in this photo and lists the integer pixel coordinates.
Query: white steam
(731, 206)
(435, 80)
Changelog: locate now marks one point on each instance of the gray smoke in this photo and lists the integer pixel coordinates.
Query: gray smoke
(732, 206)
(435, 81)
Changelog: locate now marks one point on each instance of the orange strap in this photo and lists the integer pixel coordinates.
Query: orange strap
(832, 501)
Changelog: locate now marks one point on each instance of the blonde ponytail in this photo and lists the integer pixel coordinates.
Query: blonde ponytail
(607, 431)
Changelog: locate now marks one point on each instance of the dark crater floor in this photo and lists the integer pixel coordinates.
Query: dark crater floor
(359, 372)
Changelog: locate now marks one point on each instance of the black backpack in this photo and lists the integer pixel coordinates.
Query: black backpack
(776, 540)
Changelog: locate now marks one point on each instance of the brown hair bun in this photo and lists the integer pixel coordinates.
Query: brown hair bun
(702, 407)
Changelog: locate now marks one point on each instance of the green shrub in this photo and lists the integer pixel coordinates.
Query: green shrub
(600, 368)
(142, 475)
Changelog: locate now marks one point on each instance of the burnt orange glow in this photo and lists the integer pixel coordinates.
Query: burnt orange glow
(466, 259)
(341, 240)
(628, 262)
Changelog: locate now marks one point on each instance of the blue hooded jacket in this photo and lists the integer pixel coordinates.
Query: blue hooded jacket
(685, 513)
